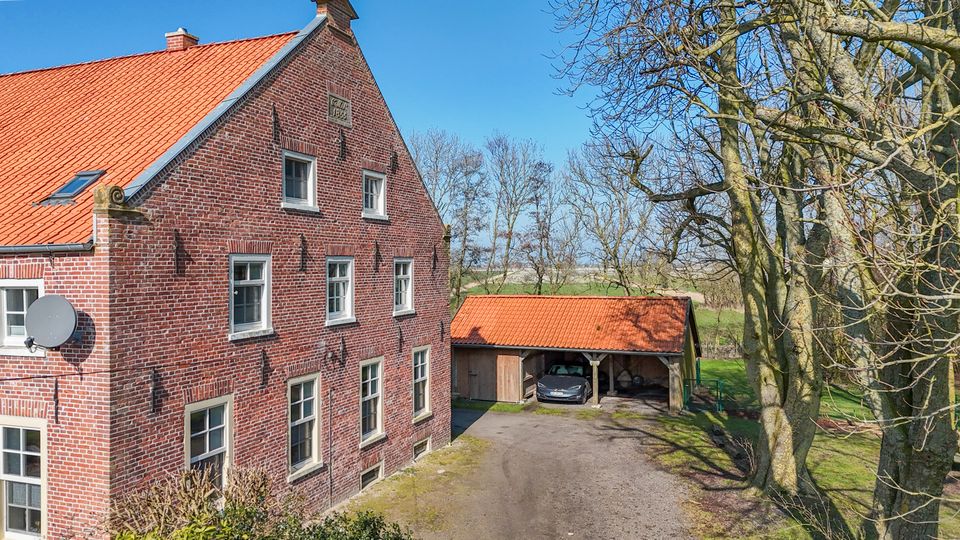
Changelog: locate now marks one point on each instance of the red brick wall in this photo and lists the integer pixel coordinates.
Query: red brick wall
(78, 446)
(227, 194)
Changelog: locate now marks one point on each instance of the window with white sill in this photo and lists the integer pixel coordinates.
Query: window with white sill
(371, 404)
(21, 482)
(249, 293)
(16, 296)
(339, 290)
(208, 438)
(374, 195)
(304, 441)
(421, 382)
(403, 286)
(299, 181)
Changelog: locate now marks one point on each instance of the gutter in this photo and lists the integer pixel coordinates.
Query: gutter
(48, 248)
(221, 110)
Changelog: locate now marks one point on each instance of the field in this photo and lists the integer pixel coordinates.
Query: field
(718, 328)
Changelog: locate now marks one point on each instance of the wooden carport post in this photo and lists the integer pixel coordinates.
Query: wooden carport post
(595, 360)
(676, 382)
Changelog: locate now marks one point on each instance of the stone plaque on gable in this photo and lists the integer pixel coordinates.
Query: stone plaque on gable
(339, 110)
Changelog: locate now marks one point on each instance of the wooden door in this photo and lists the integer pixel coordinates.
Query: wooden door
(508, 377)
(483, 377)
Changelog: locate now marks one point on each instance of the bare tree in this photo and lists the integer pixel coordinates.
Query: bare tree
(834, 125)
(612, 214)
(514, 169)
(644, 56)
(551, 239)
(452, 170)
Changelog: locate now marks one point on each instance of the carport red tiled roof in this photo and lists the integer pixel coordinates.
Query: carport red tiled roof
(117, 115)
(593, 323)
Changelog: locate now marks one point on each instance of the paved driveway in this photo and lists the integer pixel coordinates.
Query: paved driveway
(558, 477)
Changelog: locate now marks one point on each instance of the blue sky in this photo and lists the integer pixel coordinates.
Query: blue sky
(466, 66)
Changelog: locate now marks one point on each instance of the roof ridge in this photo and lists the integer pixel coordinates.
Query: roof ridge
(146, 53)
(573, 296)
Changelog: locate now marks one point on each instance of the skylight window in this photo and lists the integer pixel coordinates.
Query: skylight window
(73, 188)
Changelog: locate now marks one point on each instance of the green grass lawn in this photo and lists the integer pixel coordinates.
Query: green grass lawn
(493, 406)
(722, 327)
(842, 466)
(836, 402)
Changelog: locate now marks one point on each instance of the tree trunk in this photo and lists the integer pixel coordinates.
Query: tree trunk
(776, 466)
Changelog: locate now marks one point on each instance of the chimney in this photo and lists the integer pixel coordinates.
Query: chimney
(180, 40)
(339, 13)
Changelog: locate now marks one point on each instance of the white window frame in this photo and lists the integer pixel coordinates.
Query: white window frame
(380, 211)
(310, 204)
(379, 433)
(13, 346)
(191, 408)
(265, 327)
(40, 425)
(316, 460)
(427, 412)
(408, 307)
(346, 315)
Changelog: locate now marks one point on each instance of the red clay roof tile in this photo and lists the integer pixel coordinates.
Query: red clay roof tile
(597, 323)
(118, 115)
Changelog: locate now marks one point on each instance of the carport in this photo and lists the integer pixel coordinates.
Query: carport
(503, 344)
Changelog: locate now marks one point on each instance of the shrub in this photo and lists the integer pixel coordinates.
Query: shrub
(190, 507)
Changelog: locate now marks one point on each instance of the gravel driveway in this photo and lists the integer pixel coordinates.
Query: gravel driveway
(558, 477)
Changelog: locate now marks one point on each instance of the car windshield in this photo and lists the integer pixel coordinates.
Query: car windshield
(566, 369)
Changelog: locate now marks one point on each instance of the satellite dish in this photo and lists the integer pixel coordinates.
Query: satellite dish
(51, 322)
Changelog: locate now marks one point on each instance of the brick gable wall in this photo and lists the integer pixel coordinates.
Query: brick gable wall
(225, 197)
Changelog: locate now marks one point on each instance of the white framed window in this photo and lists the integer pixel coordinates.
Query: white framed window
(16, 295)
(421, 382)
(299, 181)
(402, 286)
(374, 195)
(250, 296)
(23, 477)
(208, 428)
(371, 476)
(340, 290)
(371, 403)
(304, 433)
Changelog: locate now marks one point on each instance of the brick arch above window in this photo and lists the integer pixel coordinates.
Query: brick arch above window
(22, 271)
(206, 391)
(338, 250)
(26, 408)
(250, 247)
(296, 145)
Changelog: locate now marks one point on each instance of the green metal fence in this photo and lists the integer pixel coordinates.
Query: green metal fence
(714, 386)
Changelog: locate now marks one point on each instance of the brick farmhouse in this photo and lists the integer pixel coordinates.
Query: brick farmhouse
(259, 276)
